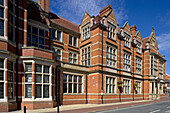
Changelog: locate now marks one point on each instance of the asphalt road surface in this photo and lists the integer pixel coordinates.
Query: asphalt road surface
(161, 107)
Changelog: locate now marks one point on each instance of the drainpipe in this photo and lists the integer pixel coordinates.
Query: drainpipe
(102, 65)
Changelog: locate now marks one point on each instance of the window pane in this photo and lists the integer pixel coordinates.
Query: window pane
(75, 41)
(34, 30)
(28, 78)
(10, 76)
(1, 63)
(70, 78)
(38, 92)
(28, 28)
(80, 79)
(1, 12)
(80, 88)
(75, 88)
(46, 69)
(28, 67)
(70, 40)
(10, 91)
(46, 91)
(28, 38)
(64, 88)
(75, 79)
(41, 32)
(59, 36)
(70, 88)
(46, 79)
(1, 90)
(41, 41)
(10, 32)
(64, 78)
(1, 28)
(38, 78)
(28, 91)
(38, 68)
(1, 75)
(34, 39)
(10, 17)
(10, 6)
(1, 2)
(53, 34)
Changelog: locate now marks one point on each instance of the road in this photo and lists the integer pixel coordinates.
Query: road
(161, 107)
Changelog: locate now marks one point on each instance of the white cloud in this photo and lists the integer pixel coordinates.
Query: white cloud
(73, 10)
(164, 42)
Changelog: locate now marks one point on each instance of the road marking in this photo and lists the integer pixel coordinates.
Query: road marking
(168, 107)
(155, 111)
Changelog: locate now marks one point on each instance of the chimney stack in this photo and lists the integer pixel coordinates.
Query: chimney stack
(133, 30)
(44, 4)
(105, 10)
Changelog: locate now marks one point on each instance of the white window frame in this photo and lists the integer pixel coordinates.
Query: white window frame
(111, 54)
(111, 28)
(56, 49)
(110, 84)
(83, 59)
(138, 65)
(127, 85)
(85, 32)
(138, 89)
(73, 53)
(126, 61)
(72, 43)
(138, 47)
(56, 31)
(72, 82)
(127, 40)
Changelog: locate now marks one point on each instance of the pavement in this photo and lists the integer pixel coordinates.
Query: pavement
(93, 108)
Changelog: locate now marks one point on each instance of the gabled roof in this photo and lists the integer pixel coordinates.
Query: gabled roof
(153, 35)
(144, 40)
(64, 23)
(84, 15)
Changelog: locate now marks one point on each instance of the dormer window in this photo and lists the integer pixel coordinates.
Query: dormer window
(127, 40)
(138, 46)
(111, 29)
(86, 32)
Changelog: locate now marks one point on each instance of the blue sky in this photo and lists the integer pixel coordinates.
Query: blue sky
(145, 14)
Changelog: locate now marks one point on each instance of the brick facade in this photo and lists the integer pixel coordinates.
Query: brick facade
(51, 60)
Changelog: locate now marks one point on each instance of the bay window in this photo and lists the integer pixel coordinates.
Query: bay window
(28, 80)
(35, 37)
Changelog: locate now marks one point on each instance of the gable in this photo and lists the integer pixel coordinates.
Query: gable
(111, 16)
(85, 18)
(138, 36)
(126, 28)
(152, 39)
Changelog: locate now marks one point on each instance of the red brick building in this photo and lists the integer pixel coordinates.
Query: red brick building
(46, 59)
